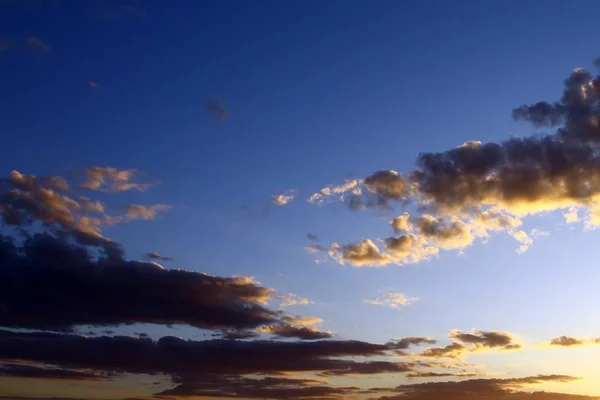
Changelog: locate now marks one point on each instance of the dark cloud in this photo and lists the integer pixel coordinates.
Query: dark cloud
(492, 389)
(265, 388)
(312, 236)
(453, 350)
(442, 374)
(486, 339)
(153, 255)
(405, 342)
(371, 368)
(296, 332)
(31, 371)
(234, 334)
(171, 355)
(218, 107)
(48, 282)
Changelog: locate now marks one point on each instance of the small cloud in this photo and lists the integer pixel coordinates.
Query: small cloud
(293, 300)
(312, 236)
(35, 43)
(315, 248)
(568, 341)
(216, 105)
(156, 256)
(93, 84)
(392, 300)
(284, 198)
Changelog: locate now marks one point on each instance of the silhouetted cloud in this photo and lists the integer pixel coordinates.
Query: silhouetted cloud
(492, 389)
(479, 340)
(171, 355)
(32, 371)
(114, 291)
(296, 332)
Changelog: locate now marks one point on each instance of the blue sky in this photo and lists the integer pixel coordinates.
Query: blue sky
(315, 91)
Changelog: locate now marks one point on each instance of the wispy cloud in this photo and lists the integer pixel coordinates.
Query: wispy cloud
(392, 300)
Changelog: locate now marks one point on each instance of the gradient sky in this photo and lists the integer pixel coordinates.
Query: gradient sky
(316, 93)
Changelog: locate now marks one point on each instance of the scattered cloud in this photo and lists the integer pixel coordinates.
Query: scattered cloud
(93, 84)
(475, 341)
(392, 300)
(109, 179)
(284, 198)
(465, 194)
(293, 300)
(567, 341)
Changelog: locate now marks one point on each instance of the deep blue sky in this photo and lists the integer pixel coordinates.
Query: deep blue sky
(315, 90)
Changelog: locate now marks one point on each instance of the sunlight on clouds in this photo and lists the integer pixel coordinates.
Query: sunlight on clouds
(392, 300)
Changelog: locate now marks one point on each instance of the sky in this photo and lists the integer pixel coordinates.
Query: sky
(391, 200)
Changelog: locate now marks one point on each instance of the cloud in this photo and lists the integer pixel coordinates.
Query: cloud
(567, 341)
(293, 300)
(443, 374)
(336, 192)
(406, 342)
(477, 340)
(284, 198)
(236, 334)
(492, 389)
(217, 106)
(422, 237)
(153, 255)
(11, 370)
(35, 43)
(312, 236)
(302, 321)
(315, 248)
(480, 340)
(392, 300)
(296, 332)
(109, 179)
(452, 191)
(116, 291)
(171, 355)
(264, 388)
(137, 211)
(454, 350)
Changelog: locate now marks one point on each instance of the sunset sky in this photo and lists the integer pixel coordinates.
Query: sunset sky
(386, 200)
